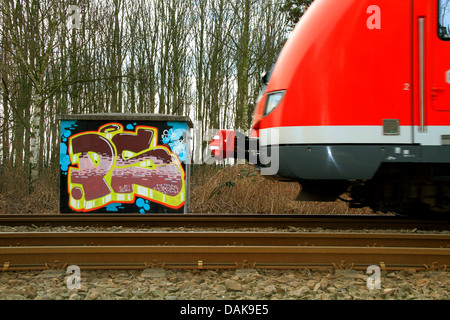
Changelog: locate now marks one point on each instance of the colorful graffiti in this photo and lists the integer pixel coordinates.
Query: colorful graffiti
(112, 166)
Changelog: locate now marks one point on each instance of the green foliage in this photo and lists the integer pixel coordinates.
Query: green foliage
(229, 184)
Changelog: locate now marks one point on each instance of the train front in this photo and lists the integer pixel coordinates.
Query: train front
(280, 109)
(321, 120)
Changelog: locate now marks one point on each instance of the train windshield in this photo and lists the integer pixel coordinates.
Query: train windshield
(265, 81)
(444, 19)
(266, 77)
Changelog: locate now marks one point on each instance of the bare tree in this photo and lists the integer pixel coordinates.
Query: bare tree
(201, 58)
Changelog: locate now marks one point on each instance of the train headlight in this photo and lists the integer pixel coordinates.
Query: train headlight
(273, 100)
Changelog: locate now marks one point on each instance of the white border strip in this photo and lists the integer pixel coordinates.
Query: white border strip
(337, 134)
(353, 135)
(432, 136)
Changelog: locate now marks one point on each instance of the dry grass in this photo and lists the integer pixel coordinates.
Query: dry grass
(232, 189)
(240, 189)
(18, 196)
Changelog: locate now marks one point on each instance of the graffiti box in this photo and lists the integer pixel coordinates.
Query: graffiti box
(124, 163)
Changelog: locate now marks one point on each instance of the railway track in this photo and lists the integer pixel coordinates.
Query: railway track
(194, 249)
(226, 221)
(139, 250)
(49, 239)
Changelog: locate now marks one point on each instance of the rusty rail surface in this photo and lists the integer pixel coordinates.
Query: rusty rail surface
(219, 256)
(226, 221)
(223, 239)
(224, 250)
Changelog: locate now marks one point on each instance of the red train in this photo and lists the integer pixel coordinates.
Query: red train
(360, 100)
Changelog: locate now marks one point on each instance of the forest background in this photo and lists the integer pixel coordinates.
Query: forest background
(199, 58)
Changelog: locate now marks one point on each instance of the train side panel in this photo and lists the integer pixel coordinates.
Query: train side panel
(346, 68)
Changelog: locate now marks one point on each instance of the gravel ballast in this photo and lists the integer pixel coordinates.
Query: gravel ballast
(304, 284)
(255, 284)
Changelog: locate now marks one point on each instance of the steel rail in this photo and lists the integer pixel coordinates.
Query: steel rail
(220, 250)
(224, 238)
(226, 221)
(219, 256)
(110, 250)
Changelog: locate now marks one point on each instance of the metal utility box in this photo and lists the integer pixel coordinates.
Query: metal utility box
(124, 163)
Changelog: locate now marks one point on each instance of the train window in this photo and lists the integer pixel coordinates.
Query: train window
(444, 19)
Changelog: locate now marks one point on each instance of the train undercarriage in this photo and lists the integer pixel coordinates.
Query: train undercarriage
(405, 189)
(409, 189)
